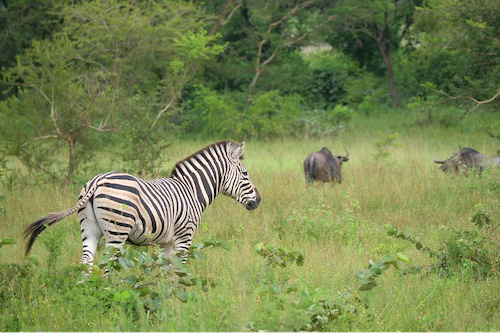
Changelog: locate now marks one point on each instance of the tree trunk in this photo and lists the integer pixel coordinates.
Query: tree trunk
(71, 169)
(256, 76)
(384, 40)
(142, 162)
(390, 76)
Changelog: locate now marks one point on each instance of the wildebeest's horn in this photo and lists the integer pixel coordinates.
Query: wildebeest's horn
(346, 157)
(439, 162)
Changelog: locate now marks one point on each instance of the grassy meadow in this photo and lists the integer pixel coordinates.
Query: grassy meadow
(338, 228)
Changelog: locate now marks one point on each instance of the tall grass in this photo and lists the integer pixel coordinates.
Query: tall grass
(339, 228)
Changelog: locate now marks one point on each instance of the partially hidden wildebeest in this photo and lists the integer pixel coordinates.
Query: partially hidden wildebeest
(323, 166)
(468, 158)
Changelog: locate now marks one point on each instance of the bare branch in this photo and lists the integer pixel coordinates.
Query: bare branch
(226, 19)
(162, 111)
(37, 165)
(290, 13)
(48, 136)
(271, 57)
(101, 127)
(53, 115)
(298, 39)
(272, 25)
(480, 102)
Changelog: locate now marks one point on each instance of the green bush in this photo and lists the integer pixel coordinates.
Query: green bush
(273, 115)
(468, 251)
(324, 123)
(367, 93)
(221, 115)
(212, 114)
(329, 73)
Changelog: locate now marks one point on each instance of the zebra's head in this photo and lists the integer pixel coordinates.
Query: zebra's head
(237, 183)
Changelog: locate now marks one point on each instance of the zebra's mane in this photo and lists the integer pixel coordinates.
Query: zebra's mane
(221, 143)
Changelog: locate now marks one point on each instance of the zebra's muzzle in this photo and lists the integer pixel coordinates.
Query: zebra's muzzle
(252, 204)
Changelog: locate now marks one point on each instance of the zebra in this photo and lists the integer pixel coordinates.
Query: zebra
(164, 211)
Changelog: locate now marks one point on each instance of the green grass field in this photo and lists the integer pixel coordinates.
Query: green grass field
(338, 228)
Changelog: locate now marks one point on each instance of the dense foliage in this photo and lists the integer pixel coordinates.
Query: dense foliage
(139, 74)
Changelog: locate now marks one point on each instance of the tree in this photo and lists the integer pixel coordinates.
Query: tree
(153, 51)
(148, 132)
(57, 104)
(466, 34)
(21, 21)
(258, 32)
(384, 22)
(115, 66)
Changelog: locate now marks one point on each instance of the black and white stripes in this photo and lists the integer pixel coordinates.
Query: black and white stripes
(165, 211)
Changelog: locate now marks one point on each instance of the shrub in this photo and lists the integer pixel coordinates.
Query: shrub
(326, 85)
(366, 93)
(325, 123)
(212, 114)
(465, 249)
(273, 115)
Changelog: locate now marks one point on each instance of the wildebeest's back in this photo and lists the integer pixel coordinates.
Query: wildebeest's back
(468, 158)
(322, 166)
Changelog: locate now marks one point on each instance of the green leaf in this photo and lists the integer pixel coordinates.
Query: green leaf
(368, 284)
(132, 279)
(259, 247)
(177, 262)
(374, 271)
(145, 290)
(122, 296)
(167, 268)
(300, 260)
(148, 260)
(209, 242)
(402, 257)
(262, 290)
(276, 288)
(187, 280)
(291, 287)
(182, 271)
(181, 295)
(123, 262)
(388, 259)
(6, 241)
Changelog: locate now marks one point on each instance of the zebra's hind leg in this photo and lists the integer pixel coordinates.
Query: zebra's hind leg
(181, 247)
(113, 238)
(91, 234)
(183, 237)
(114, 257)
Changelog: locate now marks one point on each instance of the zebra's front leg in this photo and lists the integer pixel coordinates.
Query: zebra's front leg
(168, 249)
(183, 243)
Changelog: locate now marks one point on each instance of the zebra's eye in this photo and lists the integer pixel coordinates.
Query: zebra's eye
(245, 173)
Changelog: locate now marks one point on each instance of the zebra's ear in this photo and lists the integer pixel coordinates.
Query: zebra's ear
(238, 153)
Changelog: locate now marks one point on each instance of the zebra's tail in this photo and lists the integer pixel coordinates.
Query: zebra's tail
(34, 229)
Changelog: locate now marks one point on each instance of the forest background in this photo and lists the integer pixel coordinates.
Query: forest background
(135, 86)
(133, 77)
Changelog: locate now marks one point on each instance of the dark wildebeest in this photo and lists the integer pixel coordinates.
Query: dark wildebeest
(323, 166)
(468, 158)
